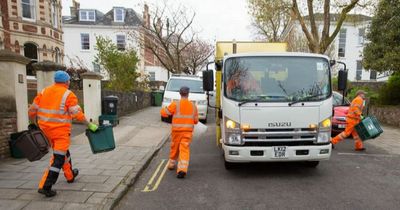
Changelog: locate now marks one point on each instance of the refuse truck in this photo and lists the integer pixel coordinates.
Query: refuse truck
(271, 105)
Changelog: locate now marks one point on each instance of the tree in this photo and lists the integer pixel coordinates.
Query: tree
(382, 53)
(196, 56)
(308, 14)
(168, 35)
(320, 42)
(271, 18)
(121, 66)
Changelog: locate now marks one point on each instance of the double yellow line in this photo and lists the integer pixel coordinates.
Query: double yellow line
(150, 182)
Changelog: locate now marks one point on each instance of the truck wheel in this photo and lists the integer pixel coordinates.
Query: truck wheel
(228, 165)
(311, 164)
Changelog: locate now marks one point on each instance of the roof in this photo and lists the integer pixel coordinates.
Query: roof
(349, 17)
(283, 54)
(131, 18)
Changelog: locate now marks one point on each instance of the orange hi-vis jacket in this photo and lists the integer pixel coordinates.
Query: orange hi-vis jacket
(184, 115)
(55, 107)
(356, 108)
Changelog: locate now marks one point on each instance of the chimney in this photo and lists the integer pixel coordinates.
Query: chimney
(146, 16)
(159, 25)
(74, 9)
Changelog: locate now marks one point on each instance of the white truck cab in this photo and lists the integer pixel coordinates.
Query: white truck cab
(274, 107)
(196, 94)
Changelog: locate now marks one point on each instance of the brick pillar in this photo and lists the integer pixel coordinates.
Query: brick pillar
(45, 73)
(13, 97)
(92, 95)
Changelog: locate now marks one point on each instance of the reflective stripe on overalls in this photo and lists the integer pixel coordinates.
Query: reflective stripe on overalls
(182, 122)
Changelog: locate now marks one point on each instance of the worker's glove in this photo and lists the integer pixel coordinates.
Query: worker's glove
(92, 127)
(362, 117)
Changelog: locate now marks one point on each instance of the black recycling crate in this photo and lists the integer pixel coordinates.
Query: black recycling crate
(32, 143)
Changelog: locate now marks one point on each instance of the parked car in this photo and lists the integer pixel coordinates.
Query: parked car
(340, 110)
(196, 95)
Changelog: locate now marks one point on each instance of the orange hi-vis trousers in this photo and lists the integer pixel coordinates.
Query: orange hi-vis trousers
(61, 159)
(180, 149)
(349, 130)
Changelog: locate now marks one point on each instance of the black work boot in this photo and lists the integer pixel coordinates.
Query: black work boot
(48, 192)
(75, 172)
(181, 175)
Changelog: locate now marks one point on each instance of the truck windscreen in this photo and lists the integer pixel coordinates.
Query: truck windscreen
(195, 86)
(277, 78)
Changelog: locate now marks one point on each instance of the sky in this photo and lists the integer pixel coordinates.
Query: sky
(216, 20)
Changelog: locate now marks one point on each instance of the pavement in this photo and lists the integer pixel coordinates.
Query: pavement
(103, 178)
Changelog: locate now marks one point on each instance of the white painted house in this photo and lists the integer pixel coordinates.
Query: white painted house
(118, 24)
(84, 25)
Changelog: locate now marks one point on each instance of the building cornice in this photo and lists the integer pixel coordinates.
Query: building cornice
(99, 26)
(37, 36)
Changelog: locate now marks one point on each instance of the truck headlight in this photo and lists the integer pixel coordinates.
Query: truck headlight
(324, 131)
(233, 133)
(324, 137)
(167, 100)
(202, 102)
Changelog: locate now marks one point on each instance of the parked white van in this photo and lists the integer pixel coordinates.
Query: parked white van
(196, 95)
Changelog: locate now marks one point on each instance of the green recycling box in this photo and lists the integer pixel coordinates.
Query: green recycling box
(102, 140)
(368, 128)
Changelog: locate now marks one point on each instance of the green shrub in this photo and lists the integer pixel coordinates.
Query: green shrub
(372, 95)
(390, 92)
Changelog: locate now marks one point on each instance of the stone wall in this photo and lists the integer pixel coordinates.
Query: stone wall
(8, 125)
(129, 102)
(375, 86)
(388, 115)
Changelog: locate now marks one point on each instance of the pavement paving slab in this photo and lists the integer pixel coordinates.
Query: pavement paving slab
(103, 178)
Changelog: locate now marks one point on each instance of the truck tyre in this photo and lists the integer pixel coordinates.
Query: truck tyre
(229, 165)
(311, 164)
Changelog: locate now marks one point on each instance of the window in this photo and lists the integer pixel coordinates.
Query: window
(361, 35)
(58, 55)
(28, 9)
(54, 14)
(121, 42)
(96, 67)
(359, 70)
(85, 42)
(372, 75)
(342, 43)
(87, 15)
(119, 14)
(152, 76)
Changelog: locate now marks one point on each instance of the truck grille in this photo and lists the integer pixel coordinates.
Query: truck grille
(277, 137)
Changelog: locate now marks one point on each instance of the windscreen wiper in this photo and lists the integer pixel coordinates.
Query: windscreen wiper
(303, 99)
(247, 101)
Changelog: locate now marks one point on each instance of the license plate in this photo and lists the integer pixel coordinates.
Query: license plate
(341, 126)
(280, 152)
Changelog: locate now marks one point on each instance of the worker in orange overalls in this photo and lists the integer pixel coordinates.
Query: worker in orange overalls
(184, 117)
(353, 117)
(53, 109)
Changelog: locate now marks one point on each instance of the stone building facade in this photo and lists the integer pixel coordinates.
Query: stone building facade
(33, 29)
